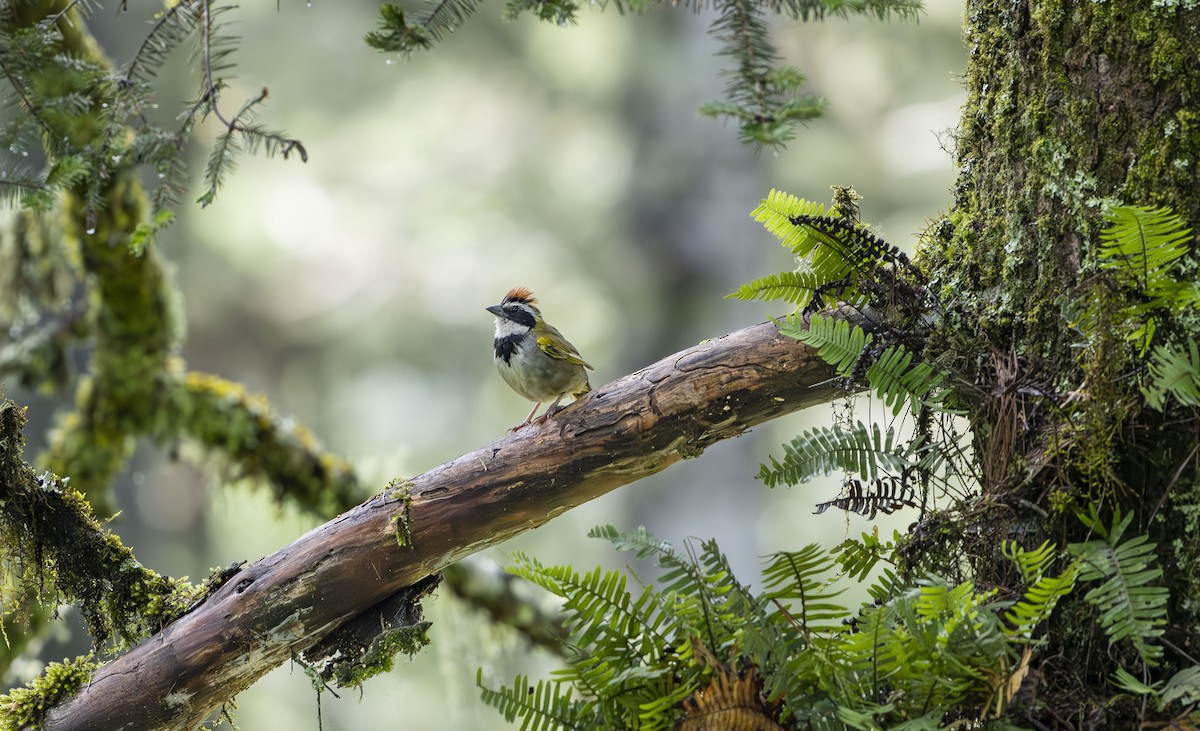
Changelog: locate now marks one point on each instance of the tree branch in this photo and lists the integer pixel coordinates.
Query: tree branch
(289, 601)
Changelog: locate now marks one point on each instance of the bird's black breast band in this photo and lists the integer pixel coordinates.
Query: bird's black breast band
(506, 346)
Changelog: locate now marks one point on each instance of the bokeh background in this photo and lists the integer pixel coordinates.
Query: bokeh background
(350, 290)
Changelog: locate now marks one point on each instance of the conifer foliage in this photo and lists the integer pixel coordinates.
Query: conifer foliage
(763, 95)
(85, 119)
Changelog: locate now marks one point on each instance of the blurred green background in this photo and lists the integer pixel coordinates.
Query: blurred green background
(350, 290)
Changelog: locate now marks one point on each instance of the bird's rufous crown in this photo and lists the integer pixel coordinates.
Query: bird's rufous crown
(520, 294)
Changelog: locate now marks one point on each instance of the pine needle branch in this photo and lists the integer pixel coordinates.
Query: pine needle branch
(396, 34)
(222, 158)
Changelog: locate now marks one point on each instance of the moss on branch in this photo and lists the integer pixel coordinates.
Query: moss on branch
(26, 707)
(53, 542)
(259, 444)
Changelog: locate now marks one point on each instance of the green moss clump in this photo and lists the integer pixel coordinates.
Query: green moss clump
(400, 489)
(28, 706)
(380, 656)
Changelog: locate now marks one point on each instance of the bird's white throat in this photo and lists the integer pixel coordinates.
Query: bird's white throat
(506, 327)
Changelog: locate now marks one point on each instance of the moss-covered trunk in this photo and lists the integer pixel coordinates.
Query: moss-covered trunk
(1072, 106)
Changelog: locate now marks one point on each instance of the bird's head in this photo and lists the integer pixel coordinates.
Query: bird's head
(516, 313)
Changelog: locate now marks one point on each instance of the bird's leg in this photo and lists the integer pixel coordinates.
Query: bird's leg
(527, 418)
(553, 409)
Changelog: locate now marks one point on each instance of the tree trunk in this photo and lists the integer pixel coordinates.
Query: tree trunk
(1071, 105)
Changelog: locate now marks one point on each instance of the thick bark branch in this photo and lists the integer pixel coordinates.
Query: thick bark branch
(287, 602)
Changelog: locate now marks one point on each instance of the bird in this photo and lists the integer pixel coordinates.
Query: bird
(533, 357)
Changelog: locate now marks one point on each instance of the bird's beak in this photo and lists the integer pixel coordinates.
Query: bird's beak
(495, 310)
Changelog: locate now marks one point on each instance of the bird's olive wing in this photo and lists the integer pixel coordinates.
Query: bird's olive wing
(560, 349)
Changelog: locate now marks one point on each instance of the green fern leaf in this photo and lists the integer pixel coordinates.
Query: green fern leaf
(794, 287)
(643, 543)
(800, 578)
(886, 587)
(1126, 682)
(1031, 564)
(543, 707)
(1182, 688)
(899, 382)
(837, 342)
(1173, 372)
(776, 212)
(858, 557)
(821, 450)
(1142, 244)
(1038, 602)
(1131, 606)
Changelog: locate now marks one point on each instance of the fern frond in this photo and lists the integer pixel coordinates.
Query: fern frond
(776, 212)
(1038, 601)
(706, 596)
(854, 242)
(821, 450)
(1142, 246)
(884, 495)
(886, 587)
(599, 611)
(1129, 684)
(682, 575)
(858, 556)
(1143, 243)
(1173, 372)
(899, 382)
(1031, 564)
(1130, 604)
(1183, 688)
(794, 287)
(801, 578)
(640, 541)
(839, 343)
(543, 707)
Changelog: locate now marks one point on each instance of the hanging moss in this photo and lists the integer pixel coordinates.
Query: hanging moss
(380, 656)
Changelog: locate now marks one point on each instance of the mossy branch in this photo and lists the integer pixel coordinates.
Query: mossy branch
(132, 380)
(288, 602)
(244, 431)
(52, 539)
